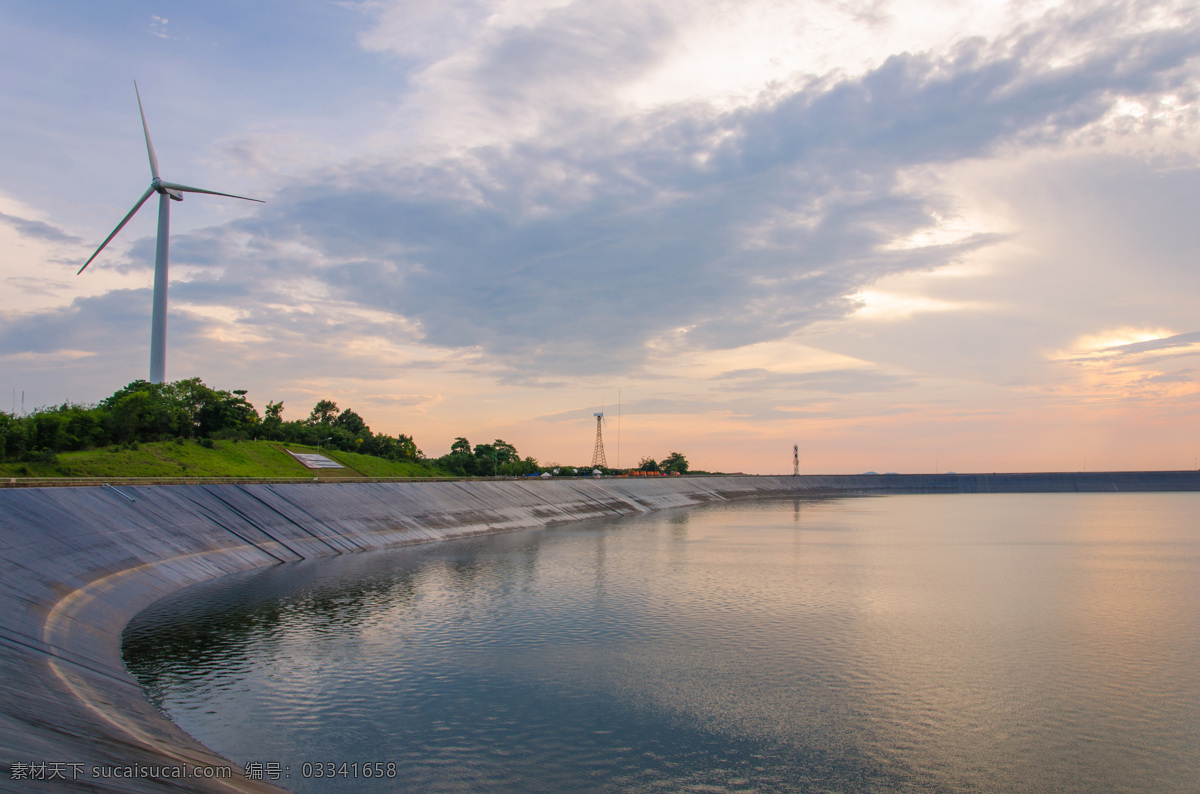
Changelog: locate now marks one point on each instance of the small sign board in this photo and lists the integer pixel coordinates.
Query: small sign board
(311, 460)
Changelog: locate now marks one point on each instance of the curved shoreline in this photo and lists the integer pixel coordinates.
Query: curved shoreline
(79, 563)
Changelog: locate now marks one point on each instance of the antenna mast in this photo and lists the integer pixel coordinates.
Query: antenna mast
(598, 458)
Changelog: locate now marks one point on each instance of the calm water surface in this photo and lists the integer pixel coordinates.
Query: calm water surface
(1022, 643)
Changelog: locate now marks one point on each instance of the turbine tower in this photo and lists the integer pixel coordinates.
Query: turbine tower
(598, 458)
(167, 192)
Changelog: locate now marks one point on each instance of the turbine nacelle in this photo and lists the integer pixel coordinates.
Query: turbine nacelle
(158, 186)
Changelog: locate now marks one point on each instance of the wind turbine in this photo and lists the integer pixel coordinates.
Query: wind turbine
(167, 192)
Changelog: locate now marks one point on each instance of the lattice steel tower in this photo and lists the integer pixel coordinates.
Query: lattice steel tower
(795, 460)
(598, 458)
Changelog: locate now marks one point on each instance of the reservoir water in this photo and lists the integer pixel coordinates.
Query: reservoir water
(1017, 642)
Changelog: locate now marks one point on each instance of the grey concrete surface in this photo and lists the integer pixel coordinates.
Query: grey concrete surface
(78, 563)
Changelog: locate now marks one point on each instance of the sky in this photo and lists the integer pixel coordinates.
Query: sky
(904, 235)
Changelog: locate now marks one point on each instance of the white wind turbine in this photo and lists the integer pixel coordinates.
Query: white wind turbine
(167, 192)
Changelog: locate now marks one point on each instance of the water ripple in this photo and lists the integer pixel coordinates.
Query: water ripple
(923, 643)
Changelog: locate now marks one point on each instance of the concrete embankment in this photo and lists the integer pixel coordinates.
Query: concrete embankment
(78, 563)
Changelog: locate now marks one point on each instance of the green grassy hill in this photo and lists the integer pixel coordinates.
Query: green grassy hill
(264, 459)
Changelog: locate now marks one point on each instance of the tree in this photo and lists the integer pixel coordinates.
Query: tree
(519, 468)
(674, 462)
(13, 439)
(490, 457)
(407, 447)
(502, 451)
(401, 447)
(272, 423)
(487, 461)
(459, 460)
(215, 411)
(144, 411)
(647, 464)
(352, 422)
(323, 413)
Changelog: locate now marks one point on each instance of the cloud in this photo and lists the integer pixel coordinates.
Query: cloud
(572, 251)
(1182, 376)
(1115, 348)
(840, 381)
(39, 230)
(87, 324)
(568, 255)
(1166, 343)
(36, 286)
(417, 401)
(158, 27)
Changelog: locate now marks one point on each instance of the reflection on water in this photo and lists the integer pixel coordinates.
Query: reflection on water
(934, 643)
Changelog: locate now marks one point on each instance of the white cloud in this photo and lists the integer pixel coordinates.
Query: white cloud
(879, 305)
(158, 27)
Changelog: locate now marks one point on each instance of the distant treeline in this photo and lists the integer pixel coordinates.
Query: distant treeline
(673, 463)
(483, 460)
(501, 458)
(143, 412)
(187, 409)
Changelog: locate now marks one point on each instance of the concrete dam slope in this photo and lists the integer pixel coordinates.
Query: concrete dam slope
(79, 563)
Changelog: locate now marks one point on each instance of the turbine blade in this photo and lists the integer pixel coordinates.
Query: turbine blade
(145, 129)
(149, 192)
(186, 189)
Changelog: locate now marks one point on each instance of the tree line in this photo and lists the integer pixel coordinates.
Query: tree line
(483, 460)
(187, 409)
(673, 463)
(501, 458)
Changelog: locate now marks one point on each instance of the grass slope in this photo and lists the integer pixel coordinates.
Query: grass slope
(371, 466)
(225, 459)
